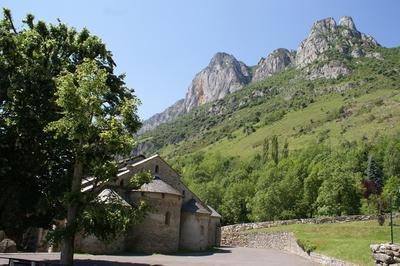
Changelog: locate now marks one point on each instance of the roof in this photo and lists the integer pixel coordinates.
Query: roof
(214, 213)
(158, 186)
(109, 196)
(193, 206)
(145, 160)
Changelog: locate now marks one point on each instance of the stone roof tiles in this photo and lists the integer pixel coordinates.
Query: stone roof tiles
(193, 206)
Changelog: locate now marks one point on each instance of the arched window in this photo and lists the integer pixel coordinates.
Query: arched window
(167, 218)
(202, 230)
(156, 169)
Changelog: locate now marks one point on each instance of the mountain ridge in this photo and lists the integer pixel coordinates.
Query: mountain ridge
(225, 74)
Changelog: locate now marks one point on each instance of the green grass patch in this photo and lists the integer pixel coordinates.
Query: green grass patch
(345, 241)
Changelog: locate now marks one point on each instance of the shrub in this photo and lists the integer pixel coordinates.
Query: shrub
(306, 245)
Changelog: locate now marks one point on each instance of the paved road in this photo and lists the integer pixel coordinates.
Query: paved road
(223, 257)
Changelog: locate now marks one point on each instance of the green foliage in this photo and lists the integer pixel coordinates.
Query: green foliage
(320, 180)
(275, 149)
(306, 245)
(138, 179)
(63, 114)
(374, 174)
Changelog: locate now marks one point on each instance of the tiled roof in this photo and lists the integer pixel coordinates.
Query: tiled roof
(194, 206)
(214, 213)
(159, 186)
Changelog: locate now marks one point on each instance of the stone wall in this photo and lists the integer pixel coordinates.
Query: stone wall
(236, 236)
(194, 231)
(386, 254)
(229, 229)
(91, 244)
(155, 233)
(284, 241)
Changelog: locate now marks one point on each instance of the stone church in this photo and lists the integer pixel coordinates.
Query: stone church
(179, 219)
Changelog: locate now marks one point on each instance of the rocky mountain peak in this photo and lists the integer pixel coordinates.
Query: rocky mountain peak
(326, 35)
(323, 26)
(275, 62)
(347, 22)
(223, 75)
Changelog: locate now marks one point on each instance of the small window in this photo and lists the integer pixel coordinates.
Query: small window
(183, 193)
(202, 230)
(167, 218)
(121, 183)
(156, 169)
(162, 195)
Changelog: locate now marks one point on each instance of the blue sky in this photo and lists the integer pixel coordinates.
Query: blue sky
(162, 44)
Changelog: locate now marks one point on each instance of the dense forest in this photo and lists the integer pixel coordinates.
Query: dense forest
(358, 177)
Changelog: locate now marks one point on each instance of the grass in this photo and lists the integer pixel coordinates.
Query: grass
(345, 241)
(356, 125)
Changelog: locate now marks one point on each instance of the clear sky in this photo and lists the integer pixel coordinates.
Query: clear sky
(162, 44)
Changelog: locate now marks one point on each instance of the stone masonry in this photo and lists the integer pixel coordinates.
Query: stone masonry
(386, 254)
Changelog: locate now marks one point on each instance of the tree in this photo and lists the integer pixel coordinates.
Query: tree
(100, 123)
(34, 168)
(374, 174)
(275, 149)
(338, 195)
(265, 150)
(37, 165)
(285, 151)
(391, 163)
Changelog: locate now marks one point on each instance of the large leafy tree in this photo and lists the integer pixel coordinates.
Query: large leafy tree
(100, 123)
(64, 114)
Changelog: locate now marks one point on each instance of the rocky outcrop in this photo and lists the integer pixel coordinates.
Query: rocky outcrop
(330, 70)
(223, 75)
(275, 62)
(167, 115)
(343, 39)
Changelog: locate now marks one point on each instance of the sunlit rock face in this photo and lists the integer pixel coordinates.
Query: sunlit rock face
(342, 39)
(275, 62)
(223, 75)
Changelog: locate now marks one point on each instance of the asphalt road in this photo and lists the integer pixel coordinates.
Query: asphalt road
(223, 257)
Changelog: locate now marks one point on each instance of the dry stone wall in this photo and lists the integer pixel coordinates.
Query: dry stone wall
(386, 254)
(236, 236)
(230, 229)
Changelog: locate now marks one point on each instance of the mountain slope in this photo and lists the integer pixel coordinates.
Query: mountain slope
(326, 43)
(283, 105)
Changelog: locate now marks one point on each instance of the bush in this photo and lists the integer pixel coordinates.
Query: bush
(306, 245)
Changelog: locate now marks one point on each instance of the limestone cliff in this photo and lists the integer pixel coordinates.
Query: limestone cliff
(223, 75)
(275, 62)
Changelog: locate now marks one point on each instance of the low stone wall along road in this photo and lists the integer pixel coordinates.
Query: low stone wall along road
(222, 257)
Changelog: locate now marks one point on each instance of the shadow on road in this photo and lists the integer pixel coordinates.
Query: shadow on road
(179, 253)
(88, 262)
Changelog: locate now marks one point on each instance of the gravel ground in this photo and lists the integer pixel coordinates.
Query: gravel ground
(223, 256)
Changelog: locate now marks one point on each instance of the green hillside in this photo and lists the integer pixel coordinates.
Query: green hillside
(356, 113)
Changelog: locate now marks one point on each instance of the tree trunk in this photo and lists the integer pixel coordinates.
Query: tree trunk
(67, 244)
